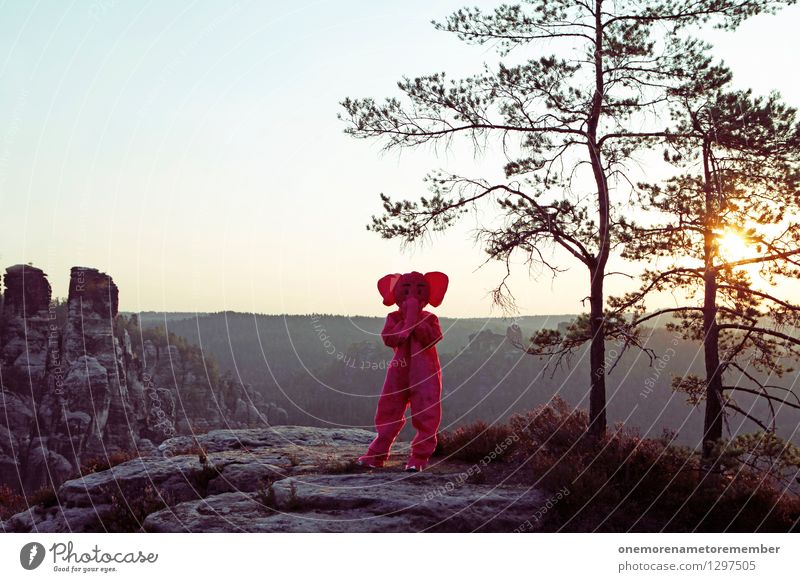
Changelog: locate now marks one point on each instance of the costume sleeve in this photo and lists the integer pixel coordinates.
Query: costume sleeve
(393, 326)
(427, 331)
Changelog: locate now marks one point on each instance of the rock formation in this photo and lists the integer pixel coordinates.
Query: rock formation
(29, 340)
(84, 390)
(281, 479)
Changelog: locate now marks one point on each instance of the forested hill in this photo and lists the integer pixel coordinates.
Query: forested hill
(327, 370)
(261, 346)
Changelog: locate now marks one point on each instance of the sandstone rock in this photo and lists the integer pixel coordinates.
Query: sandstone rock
(27, 290)
(83, 390)
(146, 448)
(44, 467)
(280, 436)
(87, 391)
(25, 342)
(57, 519)
(395, 502)
(277, 415)
(17, 412)
(28, 331)
(278, 479)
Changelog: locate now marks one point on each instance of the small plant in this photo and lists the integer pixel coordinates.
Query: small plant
(44, 497)
(203, 476)
(333, 464)
(265, 494)
(98, 464)
(128, 512)
(294, 502)
(195, 449)
(293, 458)
(11, 502)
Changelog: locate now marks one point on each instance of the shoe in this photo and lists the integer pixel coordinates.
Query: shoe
(413, 469)
(362, 463)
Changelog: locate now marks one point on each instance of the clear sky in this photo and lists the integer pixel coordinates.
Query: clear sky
(191, 150)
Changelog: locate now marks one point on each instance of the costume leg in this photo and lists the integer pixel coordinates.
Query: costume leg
(426, 415)
(389, 416)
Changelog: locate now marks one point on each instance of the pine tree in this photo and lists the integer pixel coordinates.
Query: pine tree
(553, 117)
(740, 181)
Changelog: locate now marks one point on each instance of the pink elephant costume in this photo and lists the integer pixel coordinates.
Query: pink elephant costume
(414, 376)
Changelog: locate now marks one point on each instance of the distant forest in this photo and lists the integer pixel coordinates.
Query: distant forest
(328, 370)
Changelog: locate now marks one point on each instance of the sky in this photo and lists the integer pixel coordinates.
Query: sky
(191, 150)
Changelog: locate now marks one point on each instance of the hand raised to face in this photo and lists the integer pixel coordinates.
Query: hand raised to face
(411, 292)
(411, 308)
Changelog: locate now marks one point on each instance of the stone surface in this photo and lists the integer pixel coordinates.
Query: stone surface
(274, 437)
(280, 479)
(390, 502)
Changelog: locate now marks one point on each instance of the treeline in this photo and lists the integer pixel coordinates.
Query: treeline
(328, 371)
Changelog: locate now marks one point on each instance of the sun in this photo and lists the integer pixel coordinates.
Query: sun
(732, 245)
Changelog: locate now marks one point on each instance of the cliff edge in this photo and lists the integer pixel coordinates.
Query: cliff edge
(280, 479)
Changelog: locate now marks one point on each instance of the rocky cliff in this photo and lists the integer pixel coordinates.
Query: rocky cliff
(285, 479)
(79, 387)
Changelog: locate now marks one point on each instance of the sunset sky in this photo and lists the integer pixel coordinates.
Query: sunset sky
(191, 150)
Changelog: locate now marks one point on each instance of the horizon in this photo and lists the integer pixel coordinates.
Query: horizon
(325, 314)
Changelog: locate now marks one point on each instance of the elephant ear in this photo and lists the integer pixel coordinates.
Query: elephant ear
(386, 287)
(438, 284)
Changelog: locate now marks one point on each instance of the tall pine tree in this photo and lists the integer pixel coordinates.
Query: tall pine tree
(592, 107)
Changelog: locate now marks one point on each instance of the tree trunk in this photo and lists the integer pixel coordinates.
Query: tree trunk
(712, 425)
(597, 394)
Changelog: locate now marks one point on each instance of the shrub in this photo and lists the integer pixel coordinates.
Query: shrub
(203, 476)
(128, 512)
(44, 497)
(765, 452)
(11, 502)
(623, 482)
(556, 427)
(475, 441)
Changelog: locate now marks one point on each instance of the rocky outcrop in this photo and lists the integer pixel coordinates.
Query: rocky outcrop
(27, 290)
(94, 389)
(280, 479)
(28, 338)
(28, 331)
(84, 390)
